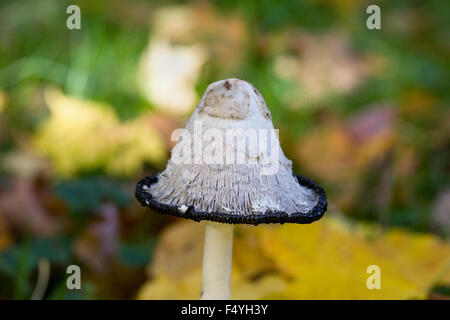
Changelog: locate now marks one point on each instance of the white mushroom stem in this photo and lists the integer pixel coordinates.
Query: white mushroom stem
(217, 257)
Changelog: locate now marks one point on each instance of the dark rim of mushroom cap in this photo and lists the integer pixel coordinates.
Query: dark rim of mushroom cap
(146, 200)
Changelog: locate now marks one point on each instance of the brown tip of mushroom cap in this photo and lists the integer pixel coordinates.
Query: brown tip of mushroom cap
(231, 98)
(226, 99)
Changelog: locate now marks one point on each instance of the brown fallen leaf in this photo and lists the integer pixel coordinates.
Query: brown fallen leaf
(320, 66)
(97, 245)
(341, 154)
(22, 208)
(6, 238)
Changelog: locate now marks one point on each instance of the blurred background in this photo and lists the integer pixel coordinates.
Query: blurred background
(84, 114)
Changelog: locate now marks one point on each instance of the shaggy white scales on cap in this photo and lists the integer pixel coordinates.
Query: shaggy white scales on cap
(253, 186)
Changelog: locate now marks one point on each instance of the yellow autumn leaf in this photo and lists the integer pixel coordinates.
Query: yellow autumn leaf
(325, 260)
(176, 269)
(2, 100)
(84, 135)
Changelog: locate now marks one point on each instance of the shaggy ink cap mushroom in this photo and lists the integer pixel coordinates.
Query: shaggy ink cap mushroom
(256, 187)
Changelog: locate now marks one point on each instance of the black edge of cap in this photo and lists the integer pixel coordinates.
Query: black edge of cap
(146, 200)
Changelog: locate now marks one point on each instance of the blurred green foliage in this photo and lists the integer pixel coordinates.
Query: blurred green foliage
(316, 64)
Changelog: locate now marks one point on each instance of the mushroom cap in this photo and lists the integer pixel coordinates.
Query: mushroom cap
(257, 186)
(189, 212)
